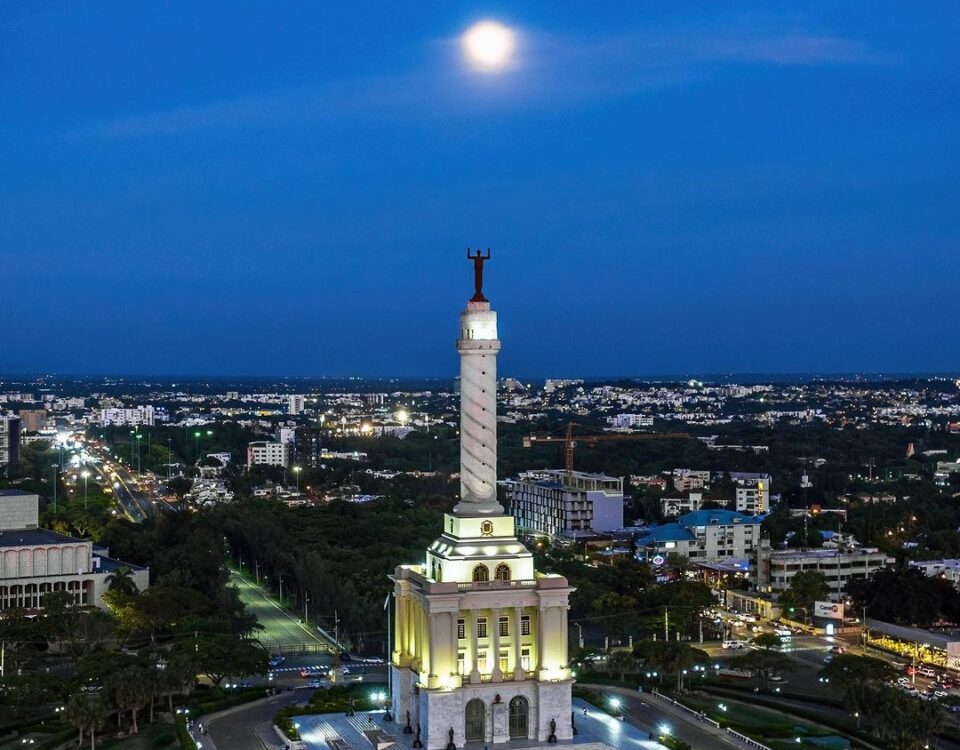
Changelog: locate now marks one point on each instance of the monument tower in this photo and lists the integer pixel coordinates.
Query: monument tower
(480, 641)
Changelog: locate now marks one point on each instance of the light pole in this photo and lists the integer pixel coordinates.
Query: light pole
(139, 437)
(85, 475)
(296, 471)
(56, 476)
(306, 601)
(196, 446)
(169, 460)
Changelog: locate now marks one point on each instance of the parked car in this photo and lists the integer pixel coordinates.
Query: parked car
(734, 644)
(926, 672)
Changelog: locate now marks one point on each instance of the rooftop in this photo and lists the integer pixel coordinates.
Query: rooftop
(668, 532)
(716, 518)
(27, 537)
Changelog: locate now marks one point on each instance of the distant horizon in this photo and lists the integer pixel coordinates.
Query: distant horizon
(706, 377)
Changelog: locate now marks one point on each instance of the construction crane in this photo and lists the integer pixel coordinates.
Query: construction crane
(569, 439)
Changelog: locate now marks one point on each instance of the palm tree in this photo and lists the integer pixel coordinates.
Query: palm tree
(85, 712)
(121, 581)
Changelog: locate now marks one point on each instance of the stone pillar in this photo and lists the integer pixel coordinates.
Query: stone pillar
(496, 672)
(478, 346)
(454, 644)
(474, 663)
(564, 630)
(540, 623)
(517, 643)
(432, 644)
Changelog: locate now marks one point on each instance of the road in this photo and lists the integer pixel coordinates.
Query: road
(137, 504)
(280, 628)
(247, 727)
(651, 714)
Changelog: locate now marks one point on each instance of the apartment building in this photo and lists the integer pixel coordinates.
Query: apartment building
(9, 440)
(839, 566)
(703, 536)
(266, 453)
(555, 503)
(752, 492)
(119, 417)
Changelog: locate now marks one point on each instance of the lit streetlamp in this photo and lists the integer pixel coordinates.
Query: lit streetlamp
(86, 476)
(296, 471)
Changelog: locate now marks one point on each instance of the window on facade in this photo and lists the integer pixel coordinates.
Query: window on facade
(525, 625)
(525, 658)
(482, 627)
(503, 572)
(504, 660)
(482, 661)
(461, 629)
(504, 626)
(481, 573)
(461, 662)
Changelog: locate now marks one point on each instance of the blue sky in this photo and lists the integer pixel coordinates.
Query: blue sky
(289, 188)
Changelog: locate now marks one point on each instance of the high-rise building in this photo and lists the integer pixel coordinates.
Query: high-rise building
(479, 652)
(307, 446)
(556, 503)
(9, 440)
(295, 405)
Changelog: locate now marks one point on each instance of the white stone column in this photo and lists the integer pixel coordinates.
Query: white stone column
(478, 346)
(454, 644)
(517, 643)
(540, 634)
(496, 672)
(475, 664)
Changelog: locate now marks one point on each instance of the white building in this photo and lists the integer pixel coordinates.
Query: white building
(555, 503)
(752, 492)
(677, 506)
(118, 417)
(295, 405)
(685, 480)
(631, 421)
(480, 644)
(838, 566)
(35, 561)
(703, 536)
(947, 569)
(269, 454)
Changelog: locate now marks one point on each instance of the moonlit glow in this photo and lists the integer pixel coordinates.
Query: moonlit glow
(489, 45)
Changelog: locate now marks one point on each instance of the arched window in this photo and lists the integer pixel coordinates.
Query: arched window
(474, 720)
(481, 573)
(519, 717)
(502, 573)
(438, 577)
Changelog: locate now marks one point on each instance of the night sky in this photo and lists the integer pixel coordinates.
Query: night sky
(284, 188)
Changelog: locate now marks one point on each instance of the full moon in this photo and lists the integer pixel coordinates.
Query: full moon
(489, 44)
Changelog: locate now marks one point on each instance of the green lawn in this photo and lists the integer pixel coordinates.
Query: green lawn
(149, 738)
(761, 724)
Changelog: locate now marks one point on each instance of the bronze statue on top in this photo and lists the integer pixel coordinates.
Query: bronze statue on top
(478, 259)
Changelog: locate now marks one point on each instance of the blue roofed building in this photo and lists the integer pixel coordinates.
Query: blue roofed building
(702, 536)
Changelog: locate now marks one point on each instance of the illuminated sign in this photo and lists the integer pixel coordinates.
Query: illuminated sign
(658, 560)
(831, 610)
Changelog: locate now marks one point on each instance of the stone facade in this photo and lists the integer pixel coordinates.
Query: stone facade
(480, 638)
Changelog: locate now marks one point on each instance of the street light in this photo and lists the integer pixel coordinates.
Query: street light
(85, 475)
(296, 471)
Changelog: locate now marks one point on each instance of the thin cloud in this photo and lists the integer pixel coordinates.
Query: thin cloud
(553, 72)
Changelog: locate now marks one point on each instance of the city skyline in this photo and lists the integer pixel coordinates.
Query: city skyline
(665, 191)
